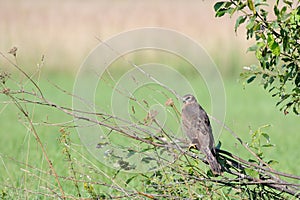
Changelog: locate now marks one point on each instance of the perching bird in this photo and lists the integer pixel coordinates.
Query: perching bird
(196, 126)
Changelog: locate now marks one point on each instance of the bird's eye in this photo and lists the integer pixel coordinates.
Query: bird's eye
(188, 98)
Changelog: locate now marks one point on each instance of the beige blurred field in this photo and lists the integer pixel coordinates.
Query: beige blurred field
(65, 31)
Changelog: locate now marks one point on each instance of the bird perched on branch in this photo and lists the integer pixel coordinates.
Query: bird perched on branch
(196, 126)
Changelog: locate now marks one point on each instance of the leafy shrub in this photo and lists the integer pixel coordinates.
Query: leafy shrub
(276, 47)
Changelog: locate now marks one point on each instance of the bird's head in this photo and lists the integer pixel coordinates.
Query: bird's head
(188, 98)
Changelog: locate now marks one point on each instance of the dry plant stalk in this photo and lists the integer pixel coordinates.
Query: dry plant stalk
(230, 163)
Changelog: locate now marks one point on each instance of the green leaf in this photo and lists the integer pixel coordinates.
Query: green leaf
(275, 49)
(251, 23)
(266, 136)
(209, 173)
(251, 6)
(252, 161)
(242, 6)
(295, 109)
(272, 162)
(222, 8)
(283, 10)
(233, 11)
(218, 5)
(268, 145)
(130, 153)
(239, 21)
(290, 3)
(251, 79)
(273, 45)
(285, 42)
(276, 11)
(297, 80)
(251, 172)
(130, 179)
(252, 48)
(147, 159)
(222, 12)
(270, 90)
(256, 47)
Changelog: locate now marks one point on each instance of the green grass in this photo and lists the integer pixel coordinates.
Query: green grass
(251, 108)
(247, 109)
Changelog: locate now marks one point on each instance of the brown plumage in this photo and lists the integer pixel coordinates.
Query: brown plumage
(196, 126)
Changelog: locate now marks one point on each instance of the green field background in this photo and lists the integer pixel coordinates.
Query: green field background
(65, 32)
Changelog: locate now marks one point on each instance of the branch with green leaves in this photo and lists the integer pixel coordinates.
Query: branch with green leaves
(276, 47)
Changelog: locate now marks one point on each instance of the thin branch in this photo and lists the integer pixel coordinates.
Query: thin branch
(23, 72)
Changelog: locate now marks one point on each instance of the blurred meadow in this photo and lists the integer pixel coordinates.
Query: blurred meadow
(64, 32)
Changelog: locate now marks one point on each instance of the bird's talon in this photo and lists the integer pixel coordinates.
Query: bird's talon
(192, 146)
